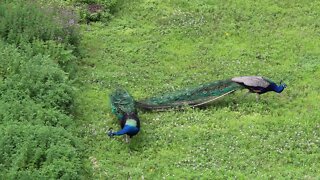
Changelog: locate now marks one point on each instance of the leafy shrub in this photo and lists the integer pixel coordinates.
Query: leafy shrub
(45, 83)
(39, 78)
(27, 21)
(10, 60)
(38, 40)
(96, 10)
(58, 52)
(15, 106)
(39, 152)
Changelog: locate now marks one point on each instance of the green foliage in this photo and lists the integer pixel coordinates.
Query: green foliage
(38, 152)
(16, 106)
(38, 52)
(96, 10)
(10, 60)
(47, 29)
(27, 21)
(35, 105)
(39, 78)
(58, 52)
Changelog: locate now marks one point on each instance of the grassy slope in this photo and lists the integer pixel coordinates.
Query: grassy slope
(156, 46)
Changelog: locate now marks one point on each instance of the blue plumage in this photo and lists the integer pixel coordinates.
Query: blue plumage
(130, 125)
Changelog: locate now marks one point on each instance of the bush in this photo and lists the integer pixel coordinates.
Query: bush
(15, 106)
(44, 82)
(10, 60)
(59, 53)
(38, 151)
(27, 21)
(96, 10)
(36, 97)
(38, 78)
(42, 29)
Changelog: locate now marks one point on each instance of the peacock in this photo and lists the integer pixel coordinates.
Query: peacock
(209, 92)
(124, 108)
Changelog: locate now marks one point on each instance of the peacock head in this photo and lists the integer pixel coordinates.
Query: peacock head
(284, 85)
(281, 87)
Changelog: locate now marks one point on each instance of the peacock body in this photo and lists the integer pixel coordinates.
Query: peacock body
(124, 108)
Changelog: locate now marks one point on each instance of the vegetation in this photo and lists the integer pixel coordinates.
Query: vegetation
(96, 10)
(28, 21)
(55, 78)
(37, 131)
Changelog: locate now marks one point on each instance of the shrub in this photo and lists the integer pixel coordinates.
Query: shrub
(39, 78)
(39, 152)
(36, 93)
(44, 82)
(10, 60)
(96, 10)
(59, 53)
(26, 21)
(15, 106)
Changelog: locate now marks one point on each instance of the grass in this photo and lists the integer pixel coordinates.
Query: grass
(151, 47)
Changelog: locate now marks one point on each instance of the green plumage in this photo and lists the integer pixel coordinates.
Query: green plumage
(195, 96)
(122, 103)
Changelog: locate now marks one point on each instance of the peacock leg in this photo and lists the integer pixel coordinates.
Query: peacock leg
(257, 97)
(127, 139)
(246, 94)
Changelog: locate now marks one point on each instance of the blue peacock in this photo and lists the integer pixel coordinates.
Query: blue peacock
(123, 107)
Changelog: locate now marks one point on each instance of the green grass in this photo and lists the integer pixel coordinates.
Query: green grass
(151, 47)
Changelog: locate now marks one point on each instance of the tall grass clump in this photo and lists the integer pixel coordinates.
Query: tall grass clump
(96, 10)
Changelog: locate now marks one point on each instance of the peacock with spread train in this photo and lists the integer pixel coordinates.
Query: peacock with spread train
(123, 107)
(209, 92)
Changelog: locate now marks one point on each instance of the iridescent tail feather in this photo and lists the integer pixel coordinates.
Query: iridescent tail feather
(196, 96)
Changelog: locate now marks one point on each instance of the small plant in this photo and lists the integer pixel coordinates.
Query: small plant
(96, 10)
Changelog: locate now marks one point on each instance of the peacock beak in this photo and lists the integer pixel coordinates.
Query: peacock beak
(283, 84)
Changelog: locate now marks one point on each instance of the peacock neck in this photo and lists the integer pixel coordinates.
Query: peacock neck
(131, 122)
(278, 89)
